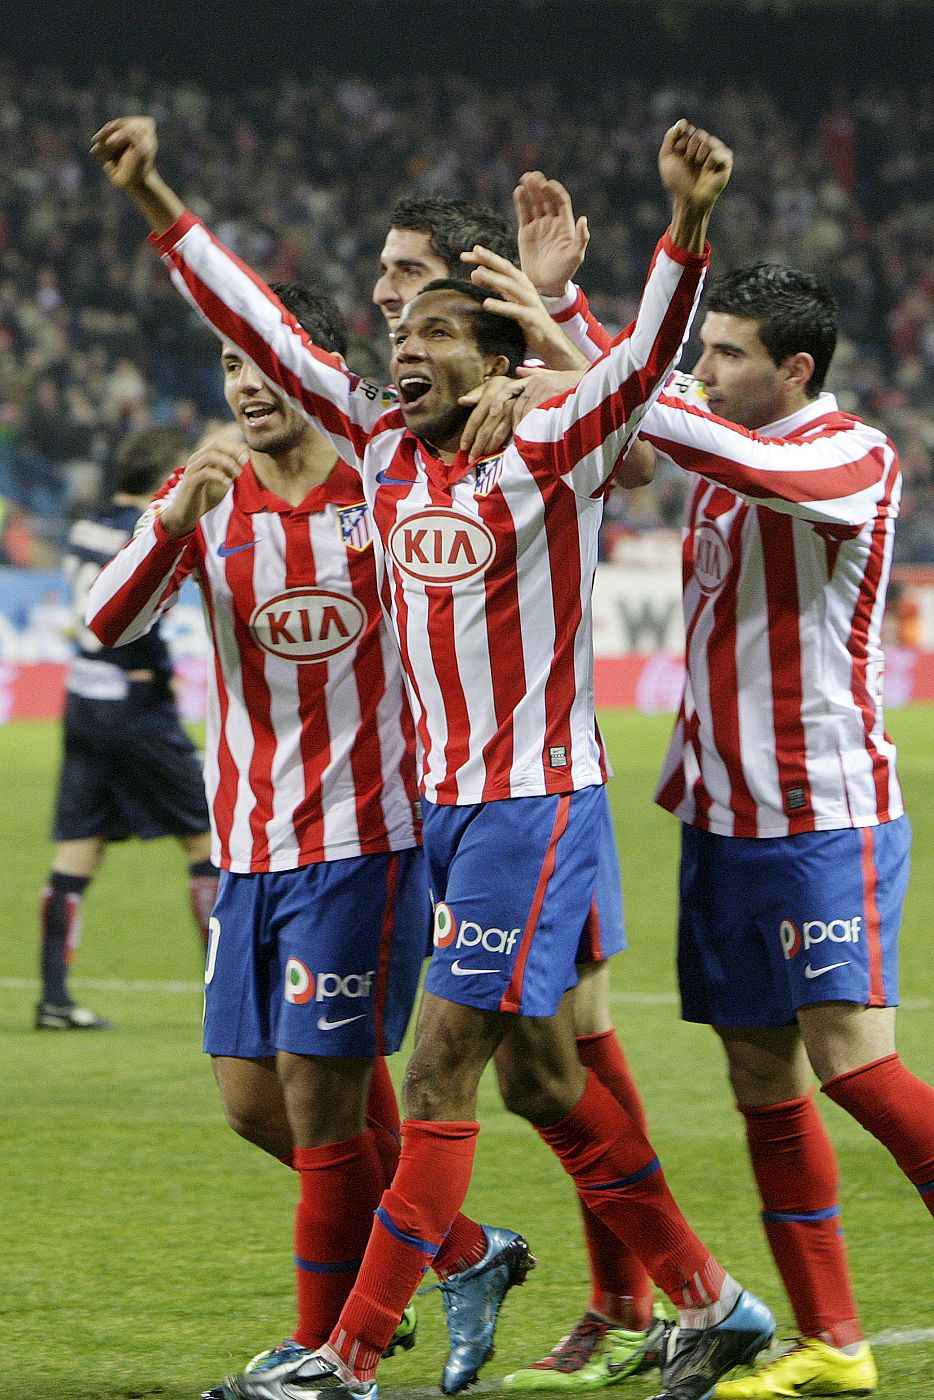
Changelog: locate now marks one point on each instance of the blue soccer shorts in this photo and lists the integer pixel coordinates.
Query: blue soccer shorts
(323, 960)
(770, 925)
(512, 884)
(605, 930)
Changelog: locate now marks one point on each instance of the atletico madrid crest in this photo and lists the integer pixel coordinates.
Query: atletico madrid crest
(354, 525)
(488, 474)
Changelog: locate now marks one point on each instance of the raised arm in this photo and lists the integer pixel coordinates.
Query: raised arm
(237, 304)
(584, 436)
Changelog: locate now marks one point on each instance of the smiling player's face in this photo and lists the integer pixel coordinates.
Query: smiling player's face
(435, 360)
(266, 419)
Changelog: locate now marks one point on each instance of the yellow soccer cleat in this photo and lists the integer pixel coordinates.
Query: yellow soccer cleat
(810, 1368)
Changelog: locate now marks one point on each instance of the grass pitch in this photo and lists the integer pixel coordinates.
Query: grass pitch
(147, 1251)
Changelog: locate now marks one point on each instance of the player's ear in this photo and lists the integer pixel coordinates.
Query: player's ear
(494, 365)
(800, 369)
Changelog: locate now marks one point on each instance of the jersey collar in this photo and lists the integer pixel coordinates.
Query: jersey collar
(341, 488)
(793, 422)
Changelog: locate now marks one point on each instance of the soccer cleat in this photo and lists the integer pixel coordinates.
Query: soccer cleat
(304, 1375)
(285, 1351)
(810, 1368)
(403, 1339)
(472, 1300)
(595, 1354)
(694, 1359)
(68, 1018)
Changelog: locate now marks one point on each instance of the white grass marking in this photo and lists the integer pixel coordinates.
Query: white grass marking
(893, 1338)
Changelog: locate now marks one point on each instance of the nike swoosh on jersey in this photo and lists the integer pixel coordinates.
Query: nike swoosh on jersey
(385, 480)
(469, 971)
(225, 551)
(325, 1025)
(810, 971)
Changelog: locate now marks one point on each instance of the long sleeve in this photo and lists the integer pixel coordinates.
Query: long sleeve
(841, 474)
(242, 309)
(139, 584)
(583, 435)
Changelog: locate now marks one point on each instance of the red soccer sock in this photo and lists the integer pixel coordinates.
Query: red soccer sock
(897, 1108)
(621, 1290)
(465, 1243)
(615, 1168)
(796, 1172)
(382, 1116)
(202, 892)
(340, 1188)
(413, 1218)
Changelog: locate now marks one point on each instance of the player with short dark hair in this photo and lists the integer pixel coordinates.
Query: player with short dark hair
(128, 767)
(795, 845)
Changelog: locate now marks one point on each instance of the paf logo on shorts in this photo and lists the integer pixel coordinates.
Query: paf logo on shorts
(441, 546)
(814, 931)
(711, 557)
(308, 624)
(299, 982)
(302, 985)
(445, 928)
(790, 935)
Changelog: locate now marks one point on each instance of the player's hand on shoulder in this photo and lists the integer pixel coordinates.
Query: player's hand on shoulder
(209, 473)
(552, 243)
(540, 385)
(694, 165)
(126, 148)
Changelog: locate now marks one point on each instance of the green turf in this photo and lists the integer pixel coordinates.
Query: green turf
(147, 1250)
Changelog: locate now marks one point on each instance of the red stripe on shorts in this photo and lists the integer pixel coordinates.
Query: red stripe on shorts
(512, 998)
(871, 910)
(385, 953)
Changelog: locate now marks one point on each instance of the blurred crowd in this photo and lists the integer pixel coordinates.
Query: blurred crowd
(298, 177)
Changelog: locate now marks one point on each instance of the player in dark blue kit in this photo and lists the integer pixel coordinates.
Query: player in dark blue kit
(128, 769)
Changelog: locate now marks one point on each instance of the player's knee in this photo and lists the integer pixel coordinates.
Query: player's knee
(252, 1124)
(531, 1092)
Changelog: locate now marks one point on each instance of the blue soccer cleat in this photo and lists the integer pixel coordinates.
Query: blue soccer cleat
(472, 1300)
(694, 1359)
(305, 1376)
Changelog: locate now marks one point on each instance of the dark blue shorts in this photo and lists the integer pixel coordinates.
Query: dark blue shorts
(128, 769)
(767, 926)
(323, 960)
(605, 931)
(512, 884)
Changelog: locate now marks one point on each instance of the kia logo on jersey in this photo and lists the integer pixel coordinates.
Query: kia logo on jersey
(441, 547)
(711, 557)
(308, 624)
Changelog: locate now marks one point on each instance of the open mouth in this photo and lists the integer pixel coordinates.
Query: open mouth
(413, 388)
(258, 414)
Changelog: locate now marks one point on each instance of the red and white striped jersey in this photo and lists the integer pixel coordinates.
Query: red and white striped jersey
(310, 743)
(485, 571)
(786, 557)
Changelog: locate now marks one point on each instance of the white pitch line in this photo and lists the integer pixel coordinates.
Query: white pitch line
(894, 1338)
(104, 984)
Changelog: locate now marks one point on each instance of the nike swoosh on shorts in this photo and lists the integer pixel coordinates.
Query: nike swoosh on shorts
(469, 971)
(325, 1025)
(810, 971)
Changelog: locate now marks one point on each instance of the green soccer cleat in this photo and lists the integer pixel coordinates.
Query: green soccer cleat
(403, 1339)
(594, 1355)
(810, 1368)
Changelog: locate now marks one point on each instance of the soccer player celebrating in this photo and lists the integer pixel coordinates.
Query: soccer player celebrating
(795, 844)
(128, 767)
(431, 237)
(478, 563)
(322, 919)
